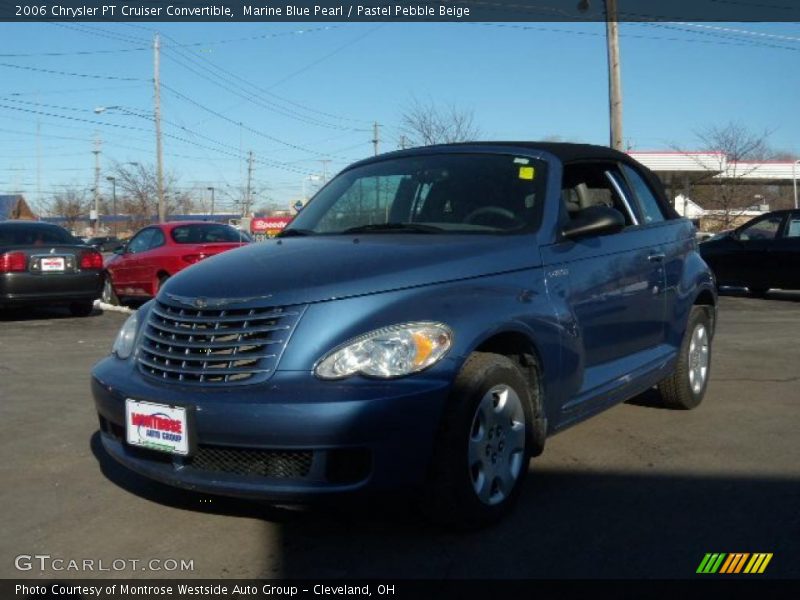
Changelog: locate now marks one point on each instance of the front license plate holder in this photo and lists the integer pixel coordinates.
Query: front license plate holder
(161, 427)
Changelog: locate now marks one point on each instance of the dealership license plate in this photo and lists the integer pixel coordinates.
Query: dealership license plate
(52, 263)
(156, 426)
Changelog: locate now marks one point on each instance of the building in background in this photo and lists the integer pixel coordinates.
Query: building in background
(13, 206)
(717, 193)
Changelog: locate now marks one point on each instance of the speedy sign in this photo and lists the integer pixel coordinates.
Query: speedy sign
(156, 426)
(269, 226)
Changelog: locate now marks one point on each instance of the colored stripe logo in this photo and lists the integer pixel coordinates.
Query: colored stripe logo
(734, 563)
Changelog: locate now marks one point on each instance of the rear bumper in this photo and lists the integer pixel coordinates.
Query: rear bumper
(37, 288)
(291, 439)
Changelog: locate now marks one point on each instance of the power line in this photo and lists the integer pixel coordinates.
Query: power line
(72, 53)
(238, 90)
(271, 163)
(261, 90)
(239, 123)
(53, 72)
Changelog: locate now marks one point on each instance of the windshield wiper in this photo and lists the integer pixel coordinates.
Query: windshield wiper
(394, 228)
(294, 232)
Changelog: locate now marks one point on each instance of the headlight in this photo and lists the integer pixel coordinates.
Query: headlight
(389, 352)
(123, 345)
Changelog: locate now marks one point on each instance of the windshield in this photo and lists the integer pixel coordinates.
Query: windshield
(476, 193)
(208, 234)
(34, 235)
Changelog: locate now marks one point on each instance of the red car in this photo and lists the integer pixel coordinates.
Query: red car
(157, 252)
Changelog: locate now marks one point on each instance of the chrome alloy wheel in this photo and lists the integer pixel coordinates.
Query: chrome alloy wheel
(497, 444)
(698, 358)
(108, 292)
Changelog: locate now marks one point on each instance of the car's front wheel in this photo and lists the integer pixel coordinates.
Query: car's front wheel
(686, 387)
(481, 454)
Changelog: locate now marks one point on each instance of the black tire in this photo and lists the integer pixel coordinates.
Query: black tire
(449, 497)
(109, 296)
(81, 309)
(758, 292)
(162, 279)
(680, 390)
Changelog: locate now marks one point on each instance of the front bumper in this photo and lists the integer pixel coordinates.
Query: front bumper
(292, 438)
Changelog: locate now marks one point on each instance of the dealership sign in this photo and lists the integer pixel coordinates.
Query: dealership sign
(268, 226)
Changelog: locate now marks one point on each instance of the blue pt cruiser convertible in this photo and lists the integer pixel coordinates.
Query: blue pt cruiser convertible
(426, 322)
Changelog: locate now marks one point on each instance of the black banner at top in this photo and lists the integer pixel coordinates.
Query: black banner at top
(398, 10)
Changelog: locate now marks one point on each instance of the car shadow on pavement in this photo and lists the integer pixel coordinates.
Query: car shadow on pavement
(779, 295)
(569, 522)
(649, 399)
(37, 313)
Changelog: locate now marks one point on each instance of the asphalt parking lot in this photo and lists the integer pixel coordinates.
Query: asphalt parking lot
(638, 491)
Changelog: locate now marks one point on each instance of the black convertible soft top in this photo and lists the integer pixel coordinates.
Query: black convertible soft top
(566, 152)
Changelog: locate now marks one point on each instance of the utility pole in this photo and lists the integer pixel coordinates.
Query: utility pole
(614, 77)
(162, 212)
(403, 142)
(246, 203)
(211, 189)
(376, 140)
(96, 153)
(325, 162)
(113, 181)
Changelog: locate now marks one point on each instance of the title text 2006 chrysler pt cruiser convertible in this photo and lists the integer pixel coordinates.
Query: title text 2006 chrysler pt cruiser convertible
(425, 322)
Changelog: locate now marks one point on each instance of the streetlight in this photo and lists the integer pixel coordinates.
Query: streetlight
(162, 211)
(211, 189)
(794, 181)
(113, 181)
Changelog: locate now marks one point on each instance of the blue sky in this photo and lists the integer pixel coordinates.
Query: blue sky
(318, 88)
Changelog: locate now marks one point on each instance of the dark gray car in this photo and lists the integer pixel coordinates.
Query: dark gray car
(43, 264)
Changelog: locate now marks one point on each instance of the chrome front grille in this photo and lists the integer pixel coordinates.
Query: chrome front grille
(215, 346)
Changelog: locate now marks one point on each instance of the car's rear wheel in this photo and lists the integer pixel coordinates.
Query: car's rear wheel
(686, 387)
(109, 296)
(482, 451)
(81, 309)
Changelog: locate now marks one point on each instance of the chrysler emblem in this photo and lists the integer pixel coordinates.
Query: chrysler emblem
(200, 302)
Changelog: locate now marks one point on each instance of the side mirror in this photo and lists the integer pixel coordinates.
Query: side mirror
(120, 249)
(595, 220)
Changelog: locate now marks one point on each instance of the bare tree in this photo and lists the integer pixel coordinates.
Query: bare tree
(424, 124)
(71, 205)
(727, 190)
(138, 193)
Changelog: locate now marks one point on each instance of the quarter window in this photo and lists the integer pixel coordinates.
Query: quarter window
(793, 230)
(650, 206)
(764, 229)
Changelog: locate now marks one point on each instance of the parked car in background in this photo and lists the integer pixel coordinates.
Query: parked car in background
(43, 264)
(105, 243)
(154, 254)
(426, 321)
(763, 253)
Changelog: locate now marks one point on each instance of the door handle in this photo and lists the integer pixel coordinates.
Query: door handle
(656, 257)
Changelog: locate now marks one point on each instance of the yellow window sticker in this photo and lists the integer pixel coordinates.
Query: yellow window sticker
(527, 173)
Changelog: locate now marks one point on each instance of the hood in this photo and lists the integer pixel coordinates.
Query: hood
(312, 269)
